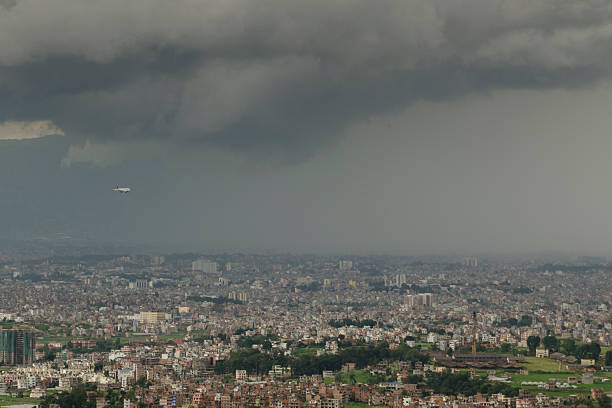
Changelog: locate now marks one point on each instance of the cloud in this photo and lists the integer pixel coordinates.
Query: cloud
(279, 78)
(105, 154)
(22, 130)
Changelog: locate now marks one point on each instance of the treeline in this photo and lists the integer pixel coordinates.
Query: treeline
(78, 397)
(522, 290)
(75, 398)
(311, 287)
(525, 321)
(571, 268)
(454, 384)
(566, 346)
(249, 341)
(216, 300)
(102, 345)
(363, 356)
(353, 322)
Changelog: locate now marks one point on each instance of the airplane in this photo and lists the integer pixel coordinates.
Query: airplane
(122, 189)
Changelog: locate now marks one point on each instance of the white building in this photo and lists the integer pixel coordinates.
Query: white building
(204, 266)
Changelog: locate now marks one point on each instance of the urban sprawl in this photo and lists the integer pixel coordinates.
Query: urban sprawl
(279, 331)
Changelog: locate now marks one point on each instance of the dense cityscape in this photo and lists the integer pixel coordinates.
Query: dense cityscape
(237, 330)
(305, 204)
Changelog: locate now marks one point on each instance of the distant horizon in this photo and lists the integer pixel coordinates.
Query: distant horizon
(152, 249)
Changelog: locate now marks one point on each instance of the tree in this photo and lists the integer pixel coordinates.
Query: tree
(605, 401)
(568, 346)
(526, 320)
(592, 350)
(551, 343)
(532, 343)
(609, 358)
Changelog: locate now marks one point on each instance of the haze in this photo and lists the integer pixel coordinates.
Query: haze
(413, 127)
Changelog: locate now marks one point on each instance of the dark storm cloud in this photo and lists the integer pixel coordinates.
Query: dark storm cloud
(277, 77)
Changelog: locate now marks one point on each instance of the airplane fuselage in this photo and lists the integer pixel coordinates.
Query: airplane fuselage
(122, 189)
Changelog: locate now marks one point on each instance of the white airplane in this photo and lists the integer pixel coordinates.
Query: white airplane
(122, 189)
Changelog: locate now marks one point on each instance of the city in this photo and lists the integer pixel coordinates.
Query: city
(305, 331)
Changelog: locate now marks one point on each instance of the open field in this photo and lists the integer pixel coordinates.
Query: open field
(49, 339)
(542, 364)
(123, 339)
(358, 376)
(305, 351)
(517, 379)
(6, 400)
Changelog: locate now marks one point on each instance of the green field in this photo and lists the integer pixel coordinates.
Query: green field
(123, 339)
(358, 376)
(542, 364)
(305, 351)
(517, 379)
(6, 400)
(49, 339)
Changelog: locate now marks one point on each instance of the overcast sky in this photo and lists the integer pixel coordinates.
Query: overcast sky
(403, 126)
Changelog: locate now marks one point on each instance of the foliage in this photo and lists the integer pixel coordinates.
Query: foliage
(522, 290)
(216, 300)
(454, 384)
(551, 343)
(532, 343)
(77, 398)
(592, 350)
(362, 355)
(605, 402)
(353, 322)
(311, 287)
(525, 321)
(249, 341)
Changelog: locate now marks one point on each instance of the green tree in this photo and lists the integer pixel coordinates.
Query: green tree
(551, 343)
(532, 343)
(592, 350)
(605, 402)
(609, 358)
(568, 346)
(526, 320)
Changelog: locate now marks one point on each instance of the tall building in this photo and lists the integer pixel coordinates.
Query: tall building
(17, 347)
(152, 317)
(422, 299)
(470, 261)
(345, 265)
(204, 266)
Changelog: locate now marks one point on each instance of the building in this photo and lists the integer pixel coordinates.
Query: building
(470, 261)
(241, 375)
(422, 299)
(204, 266)
(139, 284)
(17, 347)
(152, 317)
(345, 265)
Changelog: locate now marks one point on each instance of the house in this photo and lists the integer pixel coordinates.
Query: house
(587, 378)
(587, 362)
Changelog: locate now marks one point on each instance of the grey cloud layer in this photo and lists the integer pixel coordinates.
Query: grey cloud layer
(278, 76)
